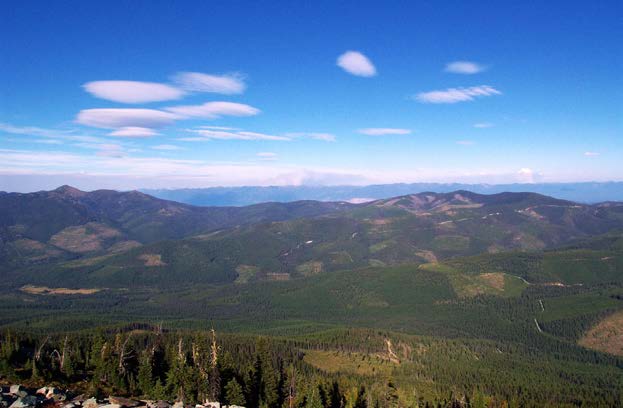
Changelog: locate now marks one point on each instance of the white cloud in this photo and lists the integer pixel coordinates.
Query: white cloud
(232, 135)
(384, 131)
(33, 131)
(591, 154)
(132, 91)
(483, 125)
(464, 67)
(219, 127)
(465, 142)
(166, 147)
(267, 156)
(213, 110)
(110, 150)
(124, 118)
(454, 95)
(48, 141)
(197, 82)
(57, 135)
(133, 131)
(356, 63)
(193, 139)
(526, 175)
(27, 170)
(327, 137)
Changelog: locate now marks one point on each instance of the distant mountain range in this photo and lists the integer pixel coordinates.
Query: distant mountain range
(589, 192)
(66, 223)
(111, 238)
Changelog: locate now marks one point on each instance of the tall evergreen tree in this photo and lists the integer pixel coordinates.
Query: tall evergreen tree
(234, 394)
(361, 401)
(336, 399)
(145, 374)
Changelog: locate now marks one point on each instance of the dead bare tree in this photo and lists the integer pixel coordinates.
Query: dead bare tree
(40, 349)
(123, 356)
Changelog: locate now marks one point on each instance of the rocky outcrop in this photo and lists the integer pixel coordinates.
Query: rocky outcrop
(18, 396)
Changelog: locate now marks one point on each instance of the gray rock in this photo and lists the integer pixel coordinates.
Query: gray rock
(25, 402)
(18, 390)
(110, 406)
(79, 399)
(52, 393)
(90, 403)
(6, 400)
(124, 402)
(158, 404)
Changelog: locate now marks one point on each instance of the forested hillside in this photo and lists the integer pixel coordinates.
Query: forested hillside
(452, 299)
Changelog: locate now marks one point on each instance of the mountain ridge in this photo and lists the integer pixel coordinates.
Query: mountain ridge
(130, 238)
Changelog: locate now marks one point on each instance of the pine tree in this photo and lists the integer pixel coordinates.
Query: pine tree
(145, 374)
(391, 395)
(313, 399)
(336, 400)
(361, 401)
(214, 389)
(264, 380)
(234, 394)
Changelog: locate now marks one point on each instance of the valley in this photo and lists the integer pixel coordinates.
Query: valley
(448, 290)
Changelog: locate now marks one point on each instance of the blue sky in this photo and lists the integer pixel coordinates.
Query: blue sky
(275, 93)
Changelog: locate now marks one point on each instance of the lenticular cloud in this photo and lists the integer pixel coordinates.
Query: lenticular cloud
(356, 63)
(455, 95)
(132, 91)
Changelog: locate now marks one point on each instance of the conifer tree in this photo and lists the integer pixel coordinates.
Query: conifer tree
(214, 389)
(145, 374)
(313, 399)
(234, 394)
(361, 401)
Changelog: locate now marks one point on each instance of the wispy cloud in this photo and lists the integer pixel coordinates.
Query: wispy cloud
(384, 131)
(166, 147)
(218, 127)
(113, 169)
(356, 63)
(214, 110)
(454, 95)
(133, 131)
(48, 141)
(464, 67)
(132, 91)
(208, 134)
(142, 122)
(125, 118)
(591, 154)
(183, 83)
(327, 137)
(267, 156)
(465, 142)
(197, 82)
(56, 134)
(483, 125)
(33, 131)
(110, 150)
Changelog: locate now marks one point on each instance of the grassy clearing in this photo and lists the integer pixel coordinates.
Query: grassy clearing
(487, 283)
(44, 290)
(606, 336)
(349, 363)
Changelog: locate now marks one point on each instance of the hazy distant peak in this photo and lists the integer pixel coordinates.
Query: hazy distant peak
(70, 191)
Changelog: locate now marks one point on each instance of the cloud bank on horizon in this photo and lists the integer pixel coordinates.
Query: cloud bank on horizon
(397, 103)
